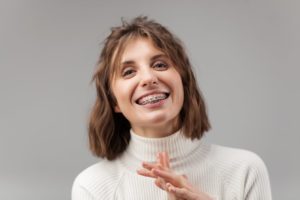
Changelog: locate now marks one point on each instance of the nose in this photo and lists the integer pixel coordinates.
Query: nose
(148, 78)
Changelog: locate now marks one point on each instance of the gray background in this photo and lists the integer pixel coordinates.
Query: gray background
(246, 55)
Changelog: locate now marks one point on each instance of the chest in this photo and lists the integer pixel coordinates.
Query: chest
(135, 187)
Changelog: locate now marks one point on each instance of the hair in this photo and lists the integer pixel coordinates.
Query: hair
(109, 131)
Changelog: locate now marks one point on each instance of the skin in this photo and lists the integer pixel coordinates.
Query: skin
(146, 70)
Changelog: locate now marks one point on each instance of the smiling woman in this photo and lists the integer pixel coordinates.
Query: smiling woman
(147, 123)
(148, 90)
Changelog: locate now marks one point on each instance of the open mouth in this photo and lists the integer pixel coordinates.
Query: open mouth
(153, 98)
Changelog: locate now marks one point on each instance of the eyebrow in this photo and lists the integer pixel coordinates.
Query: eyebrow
(152, 58)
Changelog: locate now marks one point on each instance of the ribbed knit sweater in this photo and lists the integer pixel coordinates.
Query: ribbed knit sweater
(221, 172)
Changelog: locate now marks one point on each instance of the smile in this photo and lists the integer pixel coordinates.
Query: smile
(153, 98)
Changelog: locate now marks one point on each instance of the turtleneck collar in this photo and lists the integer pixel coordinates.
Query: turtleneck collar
(146, 149)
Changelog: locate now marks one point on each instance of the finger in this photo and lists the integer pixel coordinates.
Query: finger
(149, 166)
(165, 157)
(167, 176)
(182, 192)
(147, 173)
(160, 159)
(159, 183)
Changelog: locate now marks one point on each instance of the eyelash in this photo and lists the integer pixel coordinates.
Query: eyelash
(156, 64)
(160, 66)
(127, 72)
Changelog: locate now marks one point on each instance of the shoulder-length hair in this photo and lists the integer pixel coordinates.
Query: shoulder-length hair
(109, 131)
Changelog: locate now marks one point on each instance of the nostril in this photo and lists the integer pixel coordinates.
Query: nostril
(149, 82)
(154, 82)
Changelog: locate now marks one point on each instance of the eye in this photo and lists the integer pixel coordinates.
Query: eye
(128, 72)
(159, 65)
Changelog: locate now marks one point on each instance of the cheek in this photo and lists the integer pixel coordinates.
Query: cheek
(180, 91)
(181, 96)
(117, 96)
(122, 92)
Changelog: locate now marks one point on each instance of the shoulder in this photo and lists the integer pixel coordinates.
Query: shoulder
(241, 170)
(241, 167)
(236, 157)
(102, 170)
(94, 180)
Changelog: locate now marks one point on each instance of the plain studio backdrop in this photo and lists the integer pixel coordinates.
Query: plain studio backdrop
(245, 54)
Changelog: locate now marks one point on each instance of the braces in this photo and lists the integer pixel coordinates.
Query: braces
(153, 99)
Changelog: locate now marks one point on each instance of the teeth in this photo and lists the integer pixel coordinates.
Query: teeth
(152, 98)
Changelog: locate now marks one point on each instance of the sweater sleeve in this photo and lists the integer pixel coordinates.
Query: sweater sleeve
(257, 184)
(80, 193)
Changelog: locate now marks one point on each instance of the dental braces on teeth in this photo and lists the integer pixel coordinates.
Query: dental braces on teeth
(153, 99)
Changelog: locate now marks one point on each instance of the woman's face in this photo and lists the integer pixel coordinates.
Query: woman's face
(148, 90)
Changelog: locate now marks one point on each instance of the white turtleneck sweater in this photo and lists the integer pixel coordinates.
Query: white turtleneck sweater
(221, 172)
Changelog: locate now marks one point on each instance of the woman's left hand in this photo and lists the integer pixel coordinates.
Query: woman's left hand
(176, 185)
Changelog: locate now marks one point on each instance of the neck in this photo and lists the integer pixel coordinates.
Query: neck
(157, 131)
(145, 149)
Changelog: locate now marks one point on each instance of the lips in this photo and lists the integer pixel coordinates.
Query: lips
(152, 98)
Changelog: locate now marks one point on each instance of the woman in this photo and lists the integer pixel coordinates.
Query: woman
(147, 124)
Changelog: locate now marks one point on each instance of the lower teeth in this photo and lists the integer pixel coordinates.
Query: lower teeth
(155, 101)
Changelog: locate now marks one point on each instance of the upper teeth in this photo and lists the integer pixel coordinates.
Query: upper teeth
(151, 98)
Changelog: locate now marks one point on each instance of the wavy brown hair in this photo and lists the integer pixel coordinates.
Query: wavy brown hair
(109, 131)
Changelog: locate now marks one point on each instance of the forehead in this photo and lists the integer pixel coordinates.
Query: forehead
(139, 48)
(130, 48)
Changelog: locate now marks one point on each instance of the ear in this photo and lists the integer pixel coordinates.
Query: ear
(117, 109)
